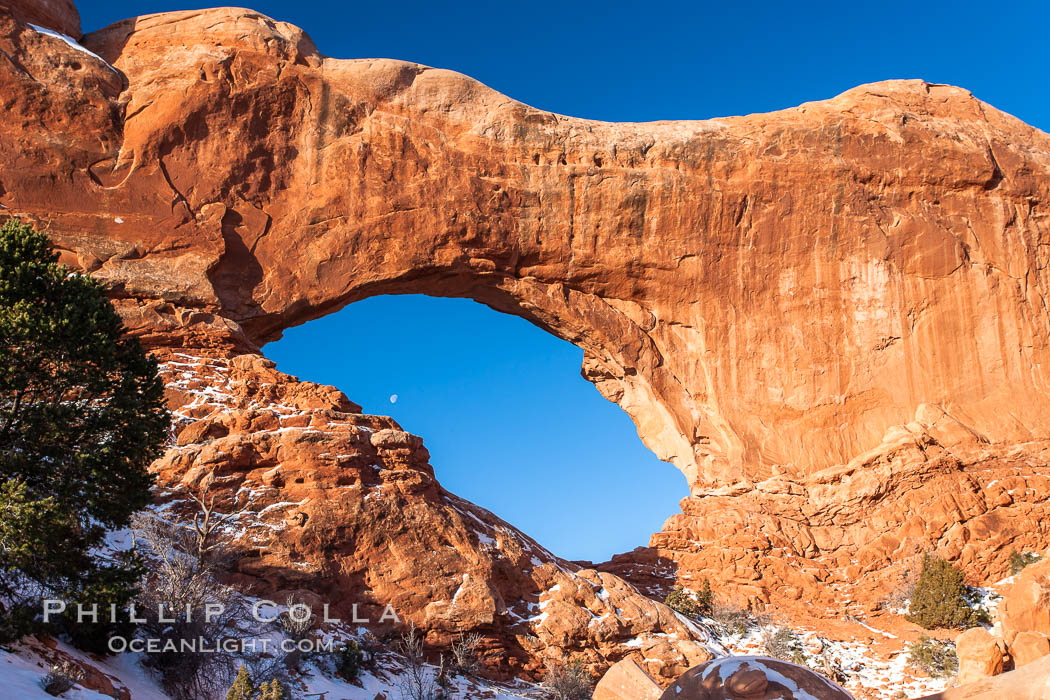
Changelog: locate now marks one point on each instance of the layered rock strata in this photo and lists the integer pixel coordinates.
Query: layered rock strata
(831, 318)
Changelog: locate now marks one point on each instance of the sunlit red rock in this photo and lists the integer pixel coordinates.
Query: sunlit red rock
(765, 295)
(627, 680)
(1030, 682)
(1027, 647)
(980, 655)
(345, 507)
(830, 318)
(1026, 608)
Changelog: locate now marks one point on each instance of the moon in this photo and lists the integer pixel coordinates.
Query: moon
(393, 398)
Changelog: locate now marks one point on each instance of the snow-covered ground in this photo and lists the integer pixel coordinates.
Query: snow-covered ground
(24, 666)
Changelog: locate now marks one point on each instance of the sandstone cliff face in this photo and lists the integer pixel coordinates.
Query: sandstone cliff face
(345, 507)
(764, 295)
(833, 318)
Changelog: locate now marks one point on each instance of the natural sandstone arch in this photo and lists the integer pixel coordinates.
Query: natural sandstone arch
(763, 295)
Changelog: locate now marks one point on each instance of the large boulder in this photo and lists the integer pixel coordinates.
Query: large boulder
(626, 680)
(1031, 682)
(1028, 647)
(1026, 607)
(980, 655)
(753, 678)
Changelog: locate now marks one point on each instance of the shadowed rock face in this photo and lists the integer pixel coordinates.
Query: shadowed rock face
(832, 318)
(57, 15)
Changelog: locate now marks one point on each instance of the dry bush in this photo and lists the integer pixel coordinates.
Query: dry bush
(1019, 560)
(465, 653)
(898, 598)
(567, 682)
(180, 578)
(61, 677)
(784, 643)
(297, 620)
(419, 681)
(731, 619)
(935, 658)
(831, 668)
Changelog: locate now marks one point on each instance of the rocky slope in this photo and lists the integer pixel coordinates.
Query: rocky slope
(832, 318)
(343, 508)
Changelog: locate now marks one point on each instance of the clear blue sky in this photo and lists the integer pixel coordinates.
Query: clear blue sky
(501, 406)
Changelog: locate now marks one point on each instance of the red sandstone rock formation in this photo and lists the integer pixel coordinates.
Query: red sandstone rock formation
(346, 506)
(56, 15)
(1022, 629)
(765, 295)
(753, 677)
(832, 318)
(627, 680)
(1026, 608)
(1031, 682)
(980, 655)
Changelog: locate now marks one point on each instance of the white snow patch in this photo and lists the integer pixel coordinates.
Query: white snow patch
(72, 42)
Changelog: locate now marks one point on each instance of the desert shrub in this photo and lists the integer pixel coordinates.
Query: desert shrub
(243, 687)
(350, 660)
(682, 601)
(691, 604)
(935, 658)
(828, 665)
(418, 680)
(1019, 560)
(179, 580)
(113, 586)
(731, 619)
(465, 653)
(33, 554)
(898, 598)
(61, 677)
(784, 643)
(567, 682)
(297, 620)
(942, 598)
(705, 599)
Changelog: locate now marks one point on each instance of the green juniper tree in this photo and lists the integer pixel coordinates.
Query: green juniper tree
(81, 416)
(274, 690)
(243, 687)
(942, 599)
(697, 605)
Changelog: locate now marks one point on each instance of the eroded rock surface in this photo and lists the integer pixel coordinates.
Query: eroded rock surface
(832, 318)
(743, 677)
(765, 295)
(627, 680)
(1026, 608)
(345, 506)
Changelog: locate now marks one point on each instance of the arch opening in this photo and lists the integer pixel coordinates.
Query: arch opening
(509, 421)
